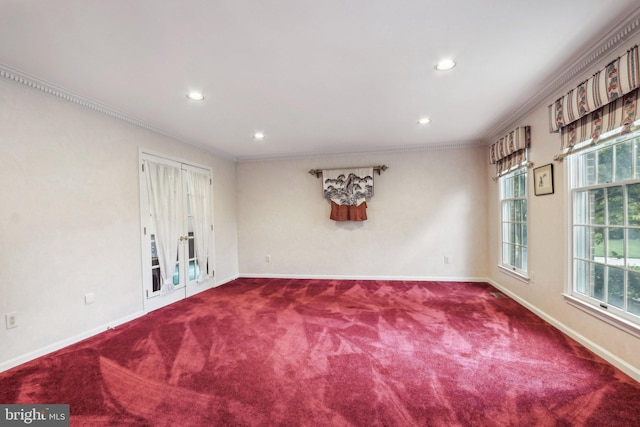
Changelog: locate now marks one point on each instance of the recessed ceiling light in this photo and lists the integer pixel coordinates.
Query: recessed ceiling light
(424, 120)
(445, 64)
(195, 96)
(258, 135)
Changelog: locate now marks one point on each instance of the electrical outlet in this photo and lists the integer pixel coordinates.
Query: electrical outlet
(446, 259)
(89, 298)
(12, 320)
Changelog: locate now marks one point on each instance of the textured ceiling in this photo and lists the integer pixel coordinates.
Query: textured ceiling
(317, 77)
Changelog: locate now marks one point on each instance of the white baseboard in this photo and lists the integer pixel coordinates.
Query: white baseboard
(624, 366)
(227, 280)
(12, 363)
(350, 277)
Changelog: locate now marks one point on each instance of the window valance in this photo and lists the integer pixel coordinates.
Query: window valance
(589, 99)
(511, 149)
(616, 114)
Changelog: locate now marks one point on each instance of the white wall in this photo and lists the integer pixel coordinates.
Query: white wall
(548, 244)
(427, 205)
(70, 218)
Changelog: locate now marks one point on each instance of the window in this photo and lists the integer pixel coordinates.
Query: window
(513, 200)
(605, 229)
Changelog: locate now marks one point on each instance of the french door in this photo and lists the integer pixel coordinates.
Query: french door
(177, 230)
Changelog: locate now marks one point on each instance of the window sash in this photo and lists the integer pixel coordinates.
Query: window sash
(513, 218)
(605, 227)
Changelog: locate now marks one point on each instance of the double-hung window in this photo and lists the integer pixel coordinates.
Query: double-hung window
(605, 228)
(513, 201)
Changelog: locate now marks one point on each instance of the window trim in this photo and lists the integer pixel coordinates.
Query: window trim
(585, 303)
(517, 273)
(602, 314)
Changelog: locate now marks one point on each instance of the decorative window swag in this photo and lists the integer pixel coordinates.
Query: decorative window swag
(604, 104)
(590, 143)
(618, 78)
(348, 189)
(510, 151)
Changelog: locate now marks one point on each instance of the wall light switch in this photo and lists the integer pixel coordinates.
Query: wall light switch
(89, 298)
(11, 320)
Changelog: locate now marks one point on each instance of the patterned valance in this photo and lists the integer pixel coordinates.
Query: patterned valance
(511, 149)
(609, 84)
(348, 190)
(619, 113)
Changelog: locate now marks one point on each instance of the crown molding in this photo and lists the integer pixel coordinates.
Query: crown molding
(19, 77)
(612, 41)
(390, 150)
(24, 79)
(583, 61)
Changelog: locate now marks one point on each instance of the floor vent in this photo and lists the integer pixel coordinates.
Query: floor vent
(498, 294)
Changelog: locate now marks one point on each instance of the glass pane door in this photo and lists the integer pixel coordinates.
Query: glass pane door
(187, 272)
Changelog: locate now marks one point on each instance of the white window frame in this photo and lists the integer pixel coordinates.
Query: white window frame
(598, 308)
(516, 271)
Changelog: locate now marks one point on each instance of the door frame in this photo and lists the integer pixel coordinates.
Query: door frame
(156, 301)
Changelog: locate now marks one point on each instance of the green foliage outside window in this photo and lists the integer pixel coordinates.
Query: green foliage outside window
(513, 195)
(606, 222)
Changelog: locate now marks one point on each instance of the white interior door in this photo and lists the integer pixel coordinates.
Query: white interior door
(192, 272)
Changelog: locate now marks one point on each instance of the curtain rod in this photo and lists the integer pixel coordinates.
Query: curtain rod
(379, 168)
(529, 165)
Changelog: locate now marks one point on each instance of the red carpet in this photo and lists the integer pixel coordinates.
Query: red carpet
(273, 352)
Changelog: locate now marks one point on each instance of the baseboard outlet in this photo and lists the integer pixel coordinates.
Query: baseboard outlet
(12, 363)
(349, 277)
(624, 366)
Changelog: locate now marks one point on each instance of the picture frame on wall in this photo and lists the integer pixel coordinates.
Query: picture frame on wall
(543, 180)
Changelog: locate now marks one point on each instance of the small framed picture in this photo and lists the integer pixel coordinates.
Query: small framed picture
(543, 180)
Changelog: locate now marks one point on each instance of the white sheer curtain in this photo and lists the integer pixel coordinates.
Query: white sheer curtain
(164, 189)
(199, 189)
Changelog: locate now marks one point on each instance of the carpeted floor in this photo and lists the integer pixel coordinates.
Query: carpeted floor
(273, 352)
